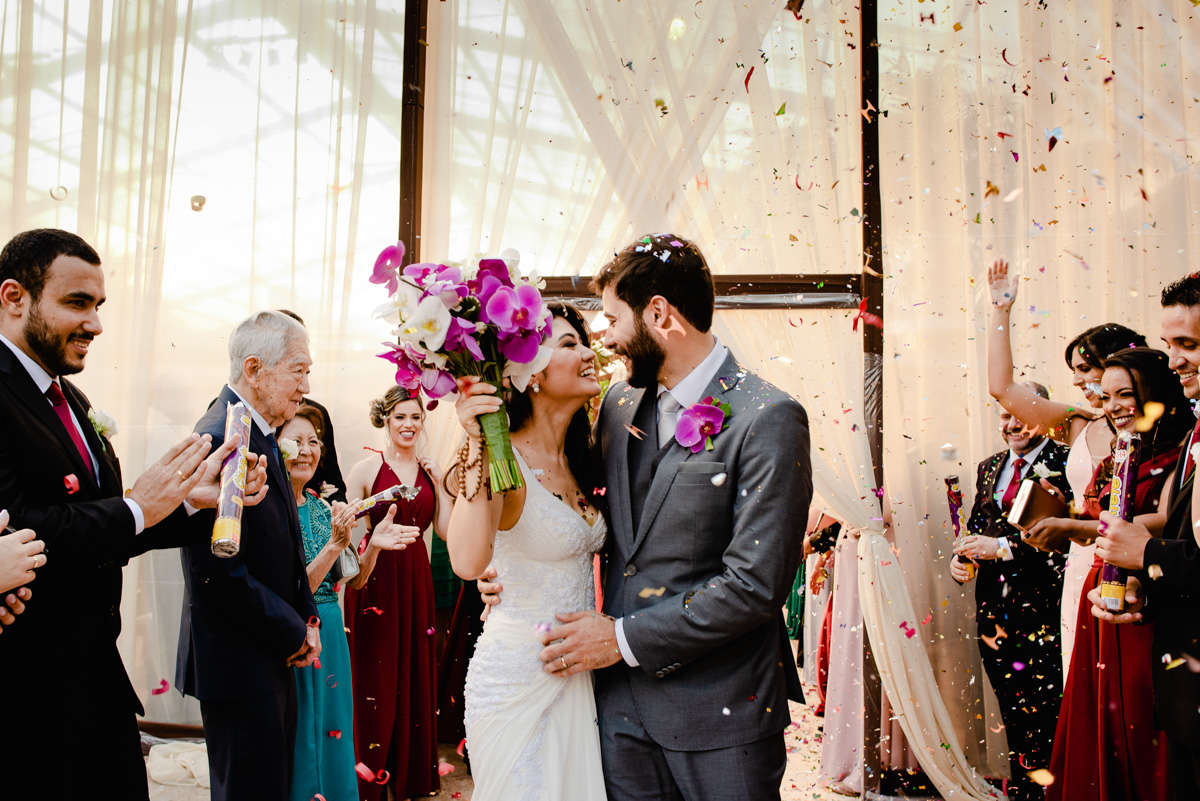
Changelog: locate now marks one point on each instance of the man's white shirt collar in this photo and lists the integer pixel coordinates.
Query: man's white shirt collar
(40, 377)
(1030, 457)
(259, 420)
(690, 390)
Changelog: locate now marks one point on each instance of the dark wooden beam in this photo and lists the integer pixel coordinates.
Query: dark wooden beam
(412, 122)
(872, 291)
(750, 291)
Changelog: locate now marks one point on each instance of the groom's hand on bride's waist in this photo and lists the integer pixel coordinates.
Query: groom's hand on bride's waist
(584, 641)
(489, 590)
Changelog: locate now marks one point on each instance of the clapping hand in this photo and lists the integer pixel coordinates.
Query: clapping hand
(977, 546)
(391, 536)
(207, 490)
(1003, 287)
(430, 467)
(167, 482)
(341, 524)
(20, 555)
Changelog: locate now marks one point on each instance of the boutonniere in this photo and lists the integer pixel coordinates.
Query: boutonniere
(1041, 471)
(700, 423)
(327, 490)
(289, 449)
(103, 423)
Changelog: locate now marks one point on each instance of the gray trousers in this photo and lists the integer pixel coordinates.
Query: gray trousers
(636, 768)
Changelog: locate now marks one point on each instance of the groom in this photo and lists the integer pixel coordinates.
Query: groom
(703, 547)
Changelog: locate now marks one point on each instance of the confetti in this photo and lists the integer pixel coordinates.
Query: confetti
(162, 687)
(718, 480)
(1042, 776)
(462, 744)
(445, 768)
(647, 592)
(1154, 571)
(991, 641)
(334, 733)
(331, 681)
(635, 431)
(374, 610)
(746, 82)
(1004, 55)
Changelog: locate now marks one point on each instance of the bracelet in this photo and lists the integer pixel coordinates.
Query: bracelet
(465, 469)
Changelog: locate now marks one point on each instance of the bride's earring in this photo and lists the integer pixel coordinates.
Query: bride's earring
(536, 387)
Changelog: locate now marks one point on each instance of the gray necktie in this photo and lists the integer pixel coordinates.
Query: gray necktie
(668, 417)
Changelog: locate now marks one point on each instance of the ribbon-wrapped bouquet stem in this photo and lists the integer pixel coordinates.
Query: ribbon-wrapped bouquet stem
(450, 323)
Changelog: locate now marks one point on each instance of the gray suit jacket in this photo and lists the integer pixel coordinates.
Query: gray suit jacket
(700, 580)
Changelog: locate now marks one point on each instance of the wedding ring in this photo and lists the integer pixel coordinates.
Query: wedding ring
(563, 659)
(180, 474)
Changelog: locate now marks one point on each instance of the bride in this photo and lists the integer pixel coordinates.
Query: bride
(531, 734)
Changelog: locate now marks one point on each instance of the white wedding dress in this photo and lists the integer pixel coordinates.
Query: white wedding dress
(532, 736)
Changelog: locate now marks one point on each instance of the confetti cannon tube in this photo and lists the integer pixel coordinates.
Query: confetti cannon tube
(227, 530)
(954, 498)
(1120, 503)
(385, 496)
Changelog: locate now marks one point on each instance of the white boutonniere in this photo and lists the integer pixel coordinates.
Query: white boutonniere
(327, 490)
(289, 449)
(1041, 471)
(102, 422)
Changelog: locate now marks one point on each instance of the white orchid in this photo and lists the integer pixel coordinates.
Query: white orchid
(289, 448)
(103, 422)
(519, 374)
(1041, 471)
(428, 324)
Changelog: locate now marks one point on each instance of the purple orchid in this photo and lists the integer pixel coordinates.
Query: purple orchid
(521, 346)
(492, 274)
(437, 383)
(461, 336)
(698, 424)
(421, 271)
(408, 366)
(387, 267)
(516, 310)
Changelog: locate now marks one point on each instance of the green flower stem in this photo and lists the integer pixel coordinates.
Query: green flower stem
(503, 471)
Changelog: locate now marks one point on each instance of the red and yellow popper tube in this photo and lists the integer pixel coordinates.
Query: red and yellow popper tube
(227, 530)
(1120, 504)
(954, 498)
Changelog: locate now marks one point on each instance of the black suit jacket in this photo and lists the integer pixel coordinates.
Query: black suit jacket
(1026, 592)
(1173, 600)
(59, 661)
(244, 616)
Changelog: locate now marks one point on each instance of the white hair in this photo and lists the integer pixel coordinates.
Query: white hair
(266, 336)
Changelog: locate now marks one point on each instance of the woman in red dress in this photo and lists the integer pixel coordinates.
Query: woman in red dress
(1107, 746)
(390, 613)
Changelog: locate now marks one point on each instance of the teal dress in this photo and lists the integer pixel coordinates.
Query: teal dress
(324, 752)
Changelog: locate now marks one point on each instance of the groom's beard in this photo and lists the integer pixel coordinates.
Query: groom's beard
(645, 356)
(48, 346)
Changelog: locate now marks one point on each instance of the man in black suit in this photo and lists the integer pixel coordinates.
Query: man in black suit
(1168, 568)
(1018, 591)
(68, 700)
(248, 619)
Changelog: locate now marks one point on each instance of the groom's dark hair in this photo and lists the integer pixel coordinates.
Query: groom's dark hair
(27, 257)
(661, 264)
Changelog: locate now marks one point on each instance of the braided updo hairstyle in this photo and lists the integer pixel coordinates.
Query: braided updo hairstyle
(381, 408)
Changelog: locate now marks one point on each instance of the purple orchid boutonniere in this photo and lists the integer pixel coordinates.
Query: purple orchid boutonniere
(700, 423)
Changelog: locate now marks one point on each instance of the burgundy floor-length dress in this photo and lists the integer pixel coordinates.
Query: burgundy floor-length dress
(1106, 745)
(393, 657)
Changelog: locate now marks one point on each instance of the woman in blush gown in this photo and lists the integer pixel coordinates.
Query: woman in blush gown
(532, 735)
(390, 612)
(1085, 430)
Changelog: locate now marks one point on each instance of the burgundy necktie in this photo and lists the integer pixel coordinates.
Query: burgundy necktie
(1011, 493)
(59, 402)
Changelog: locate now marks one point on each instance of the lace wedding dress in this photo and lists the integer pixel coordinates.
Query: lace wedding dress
(531, 735)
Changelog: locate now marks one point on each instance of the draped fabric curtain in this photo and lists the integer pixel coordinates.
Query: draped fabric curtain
(222, 158)
(1096, 221)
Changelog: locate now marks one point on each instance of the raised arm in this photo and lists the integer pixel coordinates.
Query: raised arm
(1020, 401)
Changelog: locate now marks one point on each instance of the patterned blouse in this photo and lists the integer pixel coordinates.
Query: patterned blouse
(316, 525)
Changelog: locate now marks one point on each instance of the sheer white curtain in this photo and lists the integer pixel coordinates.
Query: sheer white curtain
(222, 158)
(1073, 220)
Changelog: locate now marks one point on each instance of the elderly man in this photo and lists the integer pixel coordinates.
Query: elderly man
(69, 703)
(248, 619)
(1018, 590)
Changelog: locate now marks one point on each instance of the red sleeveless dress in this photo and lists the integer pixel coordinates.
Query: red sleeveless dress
(1107, 746)
(390, 627)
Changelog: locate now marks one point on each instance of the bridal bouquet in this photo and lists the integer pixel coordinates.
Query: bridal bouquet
(488, 322)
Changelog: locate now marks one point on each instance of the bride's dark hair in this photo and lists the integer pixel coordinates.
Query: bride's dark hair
(582, 459)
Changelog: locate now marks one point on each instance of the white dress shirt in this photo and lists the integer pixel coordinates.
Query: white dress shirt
(43, 380)
(687, 392)
(1006, 475)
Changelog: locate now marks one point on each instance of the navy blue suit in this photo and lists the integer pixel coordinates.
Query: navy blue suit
(242, 618)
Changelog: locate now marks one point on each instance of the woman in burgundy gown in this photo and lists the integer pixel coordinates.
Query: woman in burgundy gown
(389, 611)
(1107, 746)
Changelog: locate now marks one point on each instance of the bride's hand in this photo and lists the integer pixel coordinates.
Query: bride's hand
(392, 536)
(474, 398)
(1003, 288)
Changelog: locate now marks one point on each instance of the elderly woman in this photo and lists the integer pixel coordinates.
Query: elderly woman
(324, 750)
